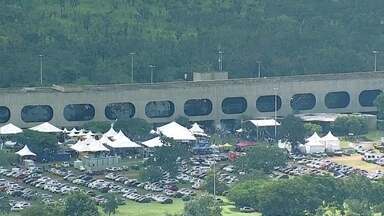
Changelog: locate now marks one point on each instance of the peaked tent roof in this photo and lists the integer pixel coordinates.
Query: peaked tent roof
(154, 142)
(25, 152)
(265, 123)
(197, 130)
(105, 140)
(329, 137)
(175, 131)
(46, 127)
(10, 129)
(314, 137)
(74, 130)
(89, 145)
(110, 133)
(122, 141)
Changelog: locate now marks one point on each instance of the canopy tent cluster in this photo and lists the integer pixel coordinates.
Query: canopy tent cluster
(89, 145)
(317, 144)
(177, 132)
(46, 127)
(111, 139)
(78, 133)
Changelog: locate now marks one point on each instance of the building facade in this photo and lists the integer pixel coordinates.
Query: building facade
(199, 101)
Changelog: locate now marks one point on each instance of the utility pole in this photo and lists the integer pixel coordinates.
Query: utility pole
(375, 52)
(259, 63)
(132, 55)
(220, 60)
(41, 69)
(152, 68)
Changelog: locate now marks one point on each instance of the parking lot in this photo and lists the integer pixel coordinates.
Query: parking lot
(51, 183)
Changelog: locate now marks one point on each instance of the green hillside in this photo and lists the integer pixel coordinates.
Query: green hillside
(89, 41)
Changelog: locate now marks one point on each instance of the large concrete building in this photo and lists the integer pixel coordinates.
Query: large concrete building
(199, 101)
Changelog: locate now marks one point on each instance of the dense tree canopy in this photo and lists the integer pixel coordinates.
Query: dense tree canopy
(305, 195)
(89, 41)
(167, 155)
(292, 129)
(202, 205)
(262, 157)
(79, 204)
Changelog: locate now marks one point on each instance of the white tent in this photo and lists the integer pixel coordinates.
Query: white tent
(314, 147)
(177, 132)
(122, 141)
(314, 138)
(90, 133)
(197, 130)
(105, 140)
(110, 133)
(10, 129)
(81, 132)
(73, 132)
(154, 142)
(80, 146)
(65, 130)
(25, 152)
(265, 123)
(331, 142)
(89, 145)
(46, 127)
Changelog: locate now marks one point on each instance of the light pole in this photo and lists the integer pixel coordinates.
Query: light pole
(41, 69)
(152, 67)
(132, 55)
(375, 52)
(275, 89)
(259, 63)
(214, 180)
(220, 60)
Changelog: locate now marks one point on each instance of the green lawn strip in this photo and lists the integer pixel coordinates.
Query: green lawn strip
(132, 208)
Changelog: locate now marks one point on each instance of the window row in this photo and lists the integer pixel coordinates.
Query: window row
(192, 107)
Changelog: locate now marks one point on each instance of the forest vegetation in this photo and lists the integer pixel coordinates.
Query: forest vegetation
(90, 41)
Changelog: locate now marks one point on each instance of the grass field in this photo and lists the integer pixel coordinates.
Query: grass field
(374, 135)
(152, 209)
(356, 162)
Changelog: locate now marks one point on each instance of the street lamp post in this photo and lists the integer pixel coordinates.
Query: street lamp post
(214, 180)
(259, 63)
(220, 52)
(132, 55)
(375, 52)
(275, 89)
(152, 68)
(41, 69)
